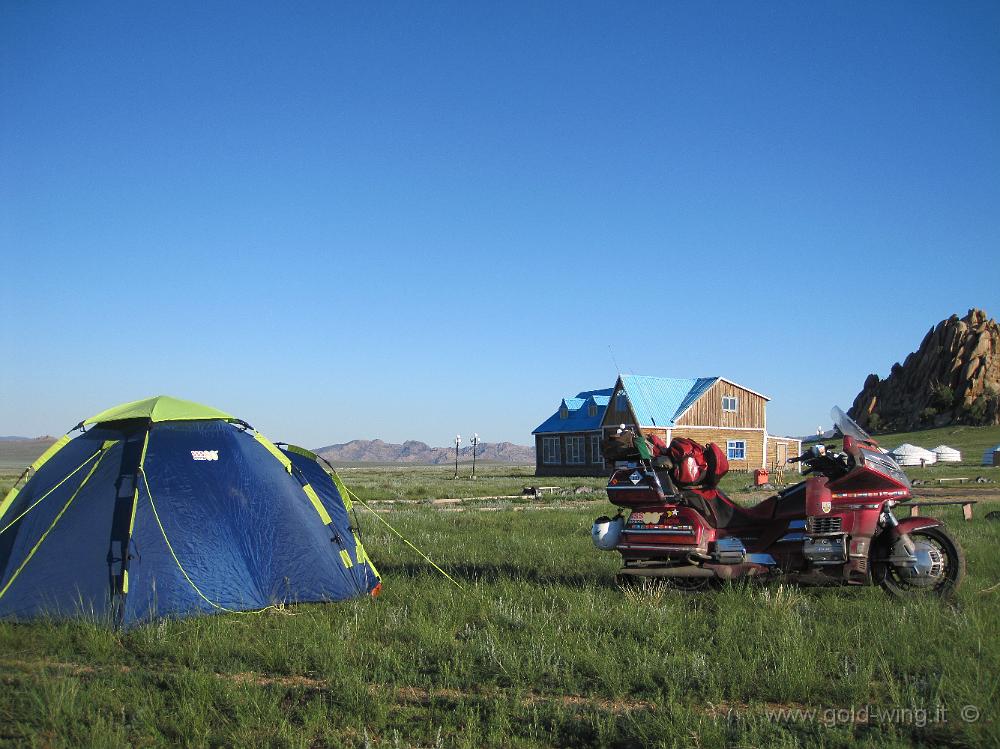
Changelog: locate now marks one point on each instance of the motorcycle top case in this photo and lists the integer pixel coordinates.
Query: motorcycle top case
(634, 487)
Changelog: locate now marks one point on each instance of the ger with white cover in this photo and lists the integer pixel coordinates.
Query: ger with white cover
(947, 454)
(912, 455)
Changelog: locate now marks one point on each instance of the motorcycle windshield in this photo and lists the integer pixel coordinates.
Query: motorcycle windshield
(848, 426)
(877, 461)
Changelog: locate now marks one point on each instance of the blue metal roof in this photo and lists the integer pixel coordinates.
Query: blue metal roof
(578, 418)
(658, 401)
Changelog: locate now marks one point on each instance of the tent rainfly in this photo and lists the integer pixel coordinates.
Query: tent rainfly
(911, 455)
(989, 457)
(164, 507)
(947, 454)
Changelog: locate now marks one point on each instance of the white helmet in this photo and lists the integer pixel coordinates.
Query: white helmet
(606, 532)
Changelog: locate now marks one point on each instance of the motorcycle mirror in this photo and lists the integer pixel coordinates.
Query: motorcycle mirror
(818, 451)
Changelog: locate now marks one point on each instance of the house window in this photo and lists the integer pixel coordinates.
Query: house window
(574, 451)
(564, 413)
(621, 403)
(592, 410)
(596, 456)
(736, 449)
(550, 451)
(730, 403)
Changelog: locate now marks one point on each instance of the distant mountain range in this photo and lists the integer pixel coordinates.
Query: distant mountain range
(412, 451)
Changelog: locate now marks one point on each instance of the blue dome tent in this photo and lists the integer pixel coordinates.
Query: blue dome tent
(164, 507)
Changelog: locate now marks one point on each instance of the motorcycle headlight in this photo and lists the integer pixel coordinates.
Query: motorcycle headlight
(884, 464)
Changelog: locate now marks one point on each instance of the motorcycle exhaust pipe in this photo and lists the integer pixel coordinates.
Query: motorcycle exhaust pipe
(667, 572)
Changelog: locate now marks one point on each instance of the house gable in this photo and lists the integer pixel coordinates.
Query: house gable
(707, 410)
(614, 416)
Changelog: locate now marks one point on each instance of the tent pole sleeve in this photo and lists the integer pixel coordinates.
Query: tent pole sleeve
(282, 458)
(359, 550)
(317, 504)
(306, 486)
(301, 451)
(345, 495)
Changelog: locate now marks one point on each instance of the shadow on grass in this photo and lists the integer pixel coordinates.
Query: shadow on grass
(497, 572)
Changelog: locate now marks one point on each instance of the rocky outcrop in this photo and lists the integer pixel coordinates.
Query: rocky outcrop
(953, 378)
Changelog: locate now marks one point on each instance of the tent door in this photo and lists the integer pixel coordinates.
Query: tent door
(126, 487)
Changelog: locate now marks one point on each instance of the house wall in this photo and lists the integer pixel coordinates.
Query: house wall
(593, 467)
(754, 440)
(707, 410)
(777, 457)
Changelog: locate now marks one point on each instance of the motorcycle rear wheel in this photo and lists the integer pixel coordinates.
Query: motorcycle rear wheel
(939, 547)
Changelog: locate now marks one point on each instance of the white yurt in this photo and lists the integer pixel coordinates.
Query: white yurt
(988, 455)
(911, 455)
(947, 454)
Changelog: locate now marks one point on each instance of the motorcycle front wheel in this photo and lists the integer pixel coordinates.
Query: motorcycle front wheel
(939, 569)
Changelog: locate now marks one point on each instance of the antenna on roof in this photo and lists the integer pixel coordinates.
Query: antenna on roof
(615, 361)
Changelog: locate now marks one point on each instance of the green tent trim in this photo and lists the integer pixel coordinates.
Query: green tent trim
(160, 408)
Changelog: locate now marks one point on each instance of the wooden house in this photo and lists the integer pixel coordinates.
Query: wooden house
(568, 443)
(706, 409)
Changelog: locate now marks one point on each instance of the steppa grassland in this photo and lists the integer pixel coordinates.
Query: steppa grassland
(540, 648)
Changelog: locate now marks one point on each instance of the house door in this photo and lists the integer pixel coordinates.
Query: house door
(782, 455)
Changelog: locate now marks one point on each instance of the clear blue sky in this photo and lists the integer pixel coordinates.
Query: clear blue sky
(407, 220)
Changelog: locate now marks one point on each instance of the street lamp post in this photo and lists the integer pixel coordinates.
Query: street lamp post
(475, 444)
(458, 441)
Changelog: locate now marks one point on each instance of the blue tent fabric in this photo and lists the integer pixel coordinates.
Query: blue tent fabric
(244, 533)
(41, 586)
(364, 575)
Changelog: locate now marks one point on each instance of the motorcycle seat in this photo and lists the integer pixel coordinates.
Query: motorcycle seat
(722, 512)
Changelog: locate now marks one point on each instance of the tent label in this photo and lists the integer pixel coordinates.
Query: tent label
(204, 454)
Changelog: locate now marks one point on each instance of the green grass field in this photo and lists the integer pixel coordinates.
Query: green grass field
(540, 648)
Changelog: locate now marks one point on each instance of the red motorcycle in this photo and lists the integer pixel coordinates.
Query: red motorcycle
(836, 527)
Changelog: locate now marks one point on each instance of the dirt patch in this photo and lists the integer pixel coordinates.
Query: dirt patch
(37, 669)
